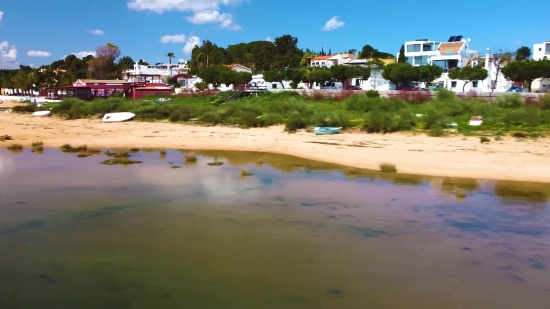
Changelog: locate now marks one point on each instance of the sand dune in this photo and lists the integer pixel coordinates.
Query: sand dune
(457, 156)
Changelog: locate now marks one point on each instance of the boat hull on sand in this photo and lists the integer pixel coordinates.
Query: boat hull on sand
(41, 114)
(118, 117)
(326, 130)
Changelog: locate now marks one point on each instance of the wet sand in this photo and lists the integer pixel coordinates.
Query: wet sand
(456, 156)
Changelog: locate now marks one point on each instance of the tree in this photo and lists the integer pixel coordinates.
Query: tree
(526, 71)
(243, 78)
(318, 75)
(170, 57)
(104, 61)
(468, 74)
(287, 52)
(402, 58)
(369, 52)
(400, 73)
(498, 60)
(523, 53)
(346, 72)
(142, 62)
(125, 63)
(430, 73)
(274, 76)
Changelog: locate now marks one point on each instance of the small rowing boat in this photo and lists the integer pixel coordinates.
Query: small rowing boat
(326, 130)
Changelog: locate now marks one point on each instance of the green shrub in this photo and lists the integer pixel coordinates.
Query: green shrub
(545, 101)
(211, 118)
(445, 95)
(328, 119)
(436, 130)
(295, 121)
(270, 119)
(514, 100)
(372, 94)
(27, 108)
(484, 139)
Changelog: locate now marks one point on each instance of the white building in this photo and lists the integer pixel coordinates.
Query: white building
(330, 60)
(418, 52)
(541, 51)
(142, 73)
(168, 70)
(501, 83)
(239, 68)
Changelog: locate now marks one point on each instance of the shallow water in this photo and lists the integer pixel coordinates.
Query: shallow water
(296, 234)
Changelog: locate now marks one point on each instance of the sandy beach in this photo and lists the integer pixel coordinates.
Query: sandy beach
(457, 156)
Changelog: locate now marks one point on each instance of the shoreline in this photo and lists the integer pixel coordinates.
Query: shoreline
(455, 156)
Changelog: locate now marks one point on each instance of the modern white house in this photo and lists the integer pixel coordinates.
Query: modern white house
(142, 73)
(541, 51)
(455, 53)
(168, 70)
(418, 52)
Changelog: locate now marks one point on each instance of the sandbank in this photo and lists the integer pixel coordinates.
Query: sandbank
(453, 156)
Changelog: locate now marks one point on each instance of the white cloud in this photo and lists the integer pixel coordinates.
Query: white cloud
(1, 17)
(83, 54)
(160, 6)
(176, 38)
(225, 20)
(181, 60)
(333, 23)
(269, 39)
(190, 44)
(38, 53)
(96, 32)
(31, 65)
(8, 56)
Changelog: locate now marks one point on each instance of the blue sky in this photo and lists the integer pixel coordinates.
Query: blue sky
(38, 32)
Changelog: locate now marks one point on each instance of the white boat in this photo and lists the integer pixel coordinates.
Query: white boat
(476, 121)
(118, 117)
(41, 113)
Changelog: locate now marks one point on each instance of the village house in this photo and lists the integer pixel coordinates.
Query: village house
(540, 52)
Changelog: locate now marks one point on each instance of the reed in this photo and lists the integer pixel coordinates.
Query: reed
(388, 168)
(190, 158)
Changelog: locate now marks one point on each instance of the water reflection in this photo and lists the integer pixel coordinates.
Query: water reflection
(295, 234)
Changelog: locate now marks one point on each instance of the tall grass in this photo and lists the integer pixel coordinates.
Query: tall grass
(371, 113)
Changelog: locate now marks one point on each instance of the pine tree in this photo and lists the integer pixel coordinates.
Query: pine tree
(402, 57)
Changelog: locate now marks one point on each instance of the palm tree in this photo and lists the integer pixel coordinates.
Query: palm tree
(170, 56)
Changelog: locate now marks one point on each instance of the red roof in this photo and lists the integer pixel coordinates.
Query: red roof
(322, 57)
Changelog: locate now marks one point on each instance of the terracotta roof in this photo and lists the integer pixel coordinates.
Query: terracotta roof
(322, 57)
(453, 47)
(235, 64)
(103, 81)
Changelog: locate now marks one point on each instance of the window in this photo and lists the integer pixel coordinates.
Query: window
(273, 86)
(474, 84)
(410, 60)
(453, 84)
(427, 47)
(413, 48)
(420, 60)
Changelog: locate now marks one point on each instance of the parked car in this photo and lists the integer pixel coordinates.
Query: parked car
(515, 89)
(435, 87)
(332, 86)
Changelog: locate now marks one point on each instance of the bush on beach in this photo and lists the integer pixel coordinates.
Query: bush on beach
(370, 113)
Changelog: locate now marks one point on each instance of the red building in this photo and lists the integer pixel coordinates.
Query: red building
(88, 89)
